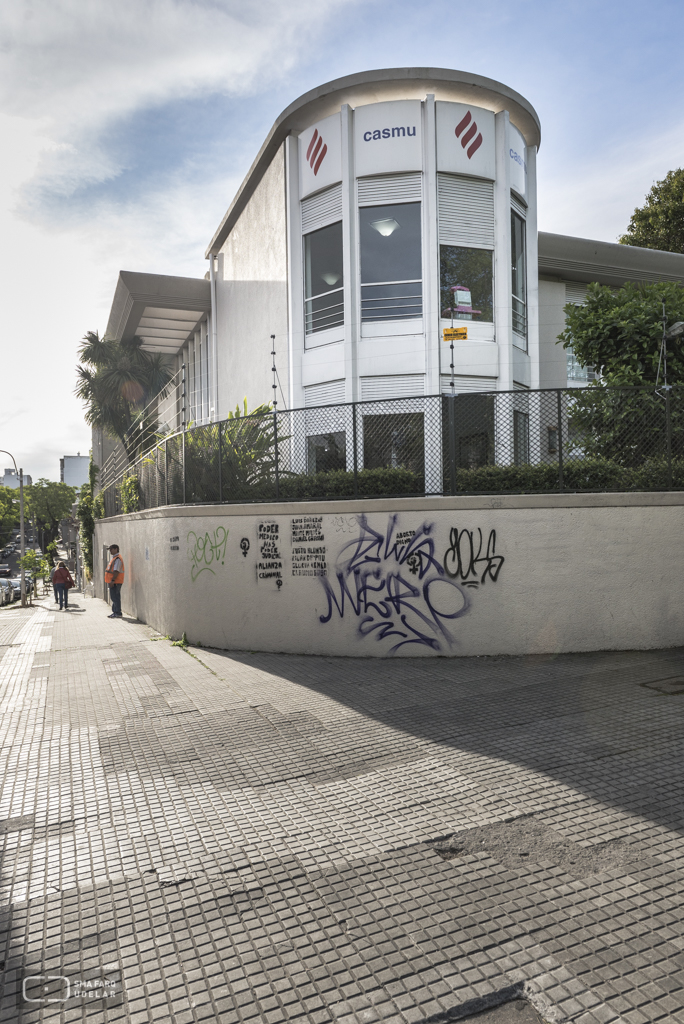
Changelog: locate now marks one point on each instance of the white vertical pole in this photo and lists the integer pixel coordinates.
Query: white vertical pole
(22, 542)
(352, 331)
(295, 296)
(503, 317)
(214, 335)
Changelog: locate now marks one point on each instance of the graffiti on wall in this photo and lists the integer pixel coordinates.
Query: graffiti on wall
(395, 587)
(206, 551)
(269, 566)
(308, 547)
(466, 559)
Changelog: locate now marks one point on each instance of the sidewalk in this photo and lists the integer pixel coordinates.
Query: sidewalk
(248, 837)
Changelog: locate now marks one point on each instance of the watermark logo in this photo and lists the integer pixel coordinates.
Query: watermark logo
(100, 987)
(315, 154)
(472, 139)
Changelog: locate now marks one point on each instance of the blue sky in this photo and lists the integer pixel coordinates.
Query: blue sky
(128, 125)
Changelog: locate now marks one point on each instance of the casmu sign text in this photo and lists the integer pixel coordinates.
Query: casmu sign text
(388, 133)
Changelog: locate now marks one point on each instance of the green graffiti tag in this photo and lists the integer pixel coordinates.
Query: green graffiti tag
(206, 551)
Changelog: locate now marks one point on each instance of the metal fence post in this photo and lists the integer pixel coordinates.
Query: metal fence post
(559, 396)
(183, 420)
(220, 461)
(668, 435)
(452, 443)
(184, 467)
(277, 470)
(166, 470)
(356, 451)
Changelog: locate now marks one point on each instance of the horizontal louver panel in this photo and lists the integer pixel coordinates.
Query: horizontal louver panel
(518, 206)
(576, 293)
(462, 384)
(466, 211)
(321, 209)
(399, 386)
(390, 188)
(329, 393)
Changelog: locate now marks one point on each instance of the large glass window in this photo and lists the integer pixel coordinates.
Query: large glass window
(466, 283)
(391, 263)
(323, 279)
(518, 283)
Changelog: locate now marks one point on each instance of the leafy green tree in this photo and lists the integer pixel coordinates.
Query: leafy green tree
(117, 380)
(620, 332)
(86, 517)
(659, 223)
(9, 512)
(48, 503)
(37, 565)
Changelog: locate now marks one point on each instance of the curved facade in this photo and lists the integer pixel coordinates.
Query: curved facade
(409, 207)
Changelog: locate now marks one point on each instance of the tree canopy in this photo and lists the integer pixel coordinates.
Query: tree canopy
(659, 223)
(9, 512)
(116, 380)
(48, 503)
(620, 332)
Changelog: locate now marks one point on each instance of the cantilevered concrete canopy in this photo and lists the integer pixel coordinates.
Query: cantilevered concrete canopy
(161, 309)
(585, 259)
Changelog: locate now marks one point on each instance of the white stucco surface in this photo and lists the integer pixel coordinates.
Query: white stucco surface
(556, 573)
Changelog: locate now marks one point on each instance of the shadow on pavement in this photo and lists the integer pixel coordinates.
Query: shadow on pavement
(589, 721)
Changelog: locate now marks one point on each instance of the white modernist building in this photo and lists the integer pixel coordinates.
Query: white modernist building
(381, 209)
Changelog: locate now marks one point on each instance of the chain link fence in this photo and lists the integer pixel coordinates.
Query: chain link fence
(576, 439)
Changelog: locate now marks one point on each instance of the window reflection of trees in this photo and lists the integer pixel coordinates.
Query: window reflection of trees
(471, 268)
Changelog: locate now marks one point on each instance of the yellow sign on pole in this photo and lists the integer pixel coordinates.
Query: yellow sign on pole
(455, 333)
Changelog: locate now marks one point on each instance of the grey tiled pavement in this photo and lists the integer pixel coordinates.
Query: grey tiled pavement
(248, 837)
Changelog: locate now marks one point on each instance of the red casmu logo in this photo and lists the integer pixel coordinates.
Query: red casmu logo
(316, 151)
(471, 133)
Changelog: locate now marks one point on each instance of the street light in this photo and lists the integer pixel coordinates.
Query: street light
(20, 474)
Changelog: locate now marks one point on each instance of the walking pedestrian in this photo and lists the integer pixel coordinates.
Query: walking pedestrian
(114, 577)
(62, 582)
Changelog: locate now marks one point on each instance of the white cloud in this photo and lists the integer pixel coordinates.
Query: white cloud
(70, 70)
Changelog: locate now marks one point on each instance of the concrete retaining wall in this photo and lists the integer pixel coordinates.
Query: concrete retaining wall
(429, 576)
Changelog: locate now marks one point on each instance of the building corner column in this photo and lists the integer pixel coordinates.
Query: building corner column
(295, 284)
(503, 316)
(349, 257)
(532, 261)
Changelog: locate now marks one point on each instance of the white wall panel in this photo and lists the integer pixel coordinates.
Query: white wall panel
(396, 386)
(321, 209)
(465, 140)
(388, 137)
(390, 188)
(330, 393)
(466, 211)
(320, 155)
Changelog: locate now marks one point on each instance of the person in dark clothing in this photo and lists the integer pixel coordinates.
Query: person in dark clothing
(62, 582)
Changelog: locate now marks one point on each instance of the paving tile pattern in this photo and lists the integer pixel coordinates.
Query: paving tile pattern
(246, 837)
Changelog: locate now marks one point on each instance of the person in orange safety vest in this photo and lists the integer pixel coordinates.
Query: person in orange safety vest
(114, 577)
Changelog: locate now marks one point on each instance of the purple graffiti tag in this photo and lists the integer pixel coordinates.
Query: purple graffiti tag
(371, 583)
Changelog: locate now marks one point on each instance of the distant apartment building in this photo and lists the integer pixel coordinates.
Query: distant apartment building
(74, 469)
(10, 479)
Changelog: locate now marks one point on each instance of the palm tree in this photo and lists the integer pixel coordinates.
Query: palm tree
(117, 380)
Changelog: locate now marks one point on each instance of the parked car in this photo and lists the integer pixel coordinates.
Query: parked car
(4, 569)
(16, 584)
(6, 592)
